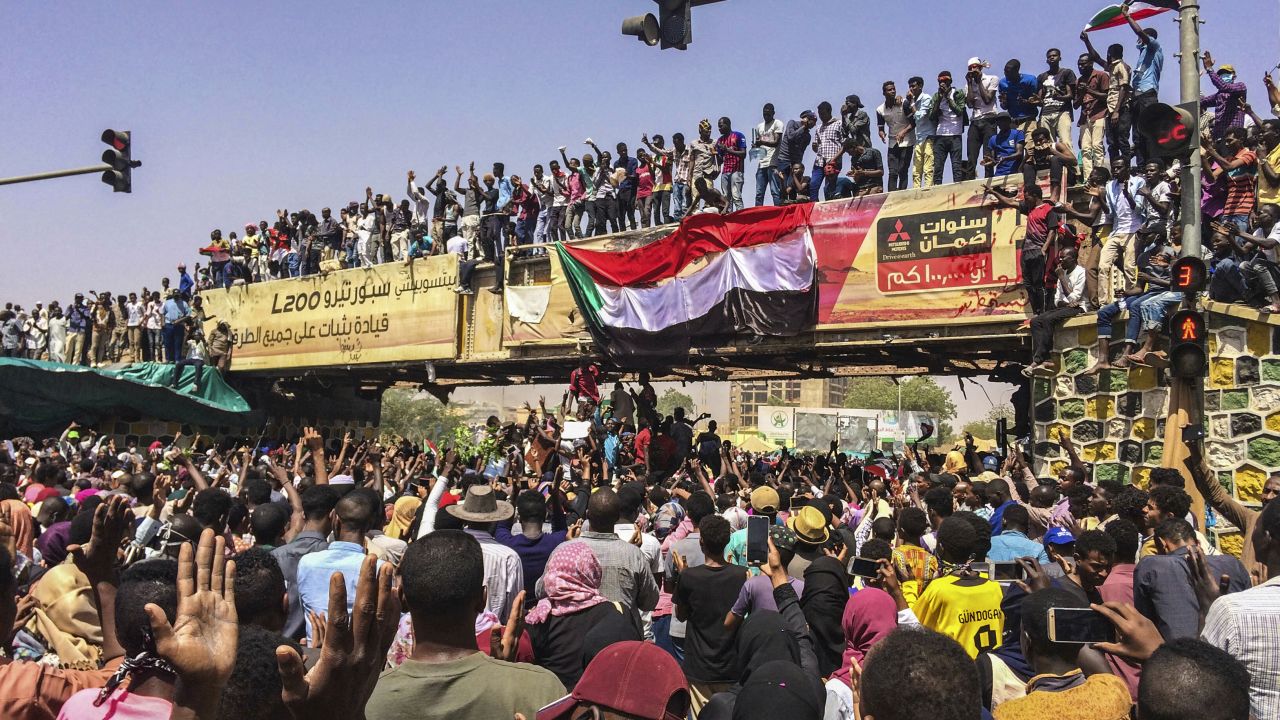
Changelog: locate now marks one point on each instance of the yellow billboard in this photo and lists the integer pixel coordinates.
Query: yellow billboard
(394, 312)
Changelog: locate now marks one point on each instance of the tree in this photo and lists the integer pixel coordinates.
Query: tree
(672, 399)
(417, 416)
(986, 427)
(919, 394)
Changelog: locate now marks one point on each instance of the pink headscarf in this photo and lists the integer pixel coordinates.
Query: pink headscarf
(869, 615)
(572, 583)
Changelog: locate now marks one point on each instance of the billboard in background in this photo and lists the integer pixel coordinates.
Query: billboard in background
(856, 431)
(386, 313)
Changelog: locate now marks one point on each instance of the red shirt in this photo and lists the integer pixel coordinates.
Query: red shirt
(586, 383)
(644, 181)
(643, 438)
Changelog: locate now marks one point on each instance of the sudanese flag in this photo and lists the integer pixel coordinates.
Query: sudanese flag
(714, 280)
(1111, 16)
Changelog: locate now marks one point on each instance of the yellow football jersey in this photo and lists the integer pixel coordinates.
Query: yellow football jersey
(970, 615)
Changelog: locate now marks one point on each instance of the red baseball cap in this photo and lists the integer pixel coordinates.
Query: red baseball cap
(636, 678)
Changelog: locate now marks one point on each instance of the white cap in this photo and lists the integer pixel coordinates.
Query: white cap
(975, 61)
(342, 480)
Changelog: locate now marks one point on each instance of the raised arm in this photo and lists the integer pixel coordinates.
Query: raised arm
(197, 477)
(297, 517)
(1143, 35)
(315, 443)
(1093, 53)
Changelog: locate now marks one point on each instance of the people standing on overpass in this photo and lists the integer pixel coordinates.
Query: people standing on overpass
(174, 311)
(731, 149)
(766, 137)
(895, 123)
(791, 148)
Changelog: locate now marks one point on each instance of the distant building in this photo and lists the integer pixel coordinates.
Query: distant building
(746, 398)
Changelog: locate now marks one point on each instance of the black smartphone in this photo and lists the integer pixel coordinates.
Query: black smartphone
(757, 540)
(1193, 433)
(865, 567)
(1007, 572)
(1079, 626)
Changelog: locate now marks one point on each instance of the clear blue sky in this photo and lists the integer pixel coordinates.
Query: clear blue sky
(239, 108)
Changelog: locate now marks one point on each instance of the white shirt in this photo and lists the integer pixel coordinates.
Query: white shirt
(421, 205)
(456, 245)
(503, 574)
(153, 319)
(949, 124)
(981, 109)
(1162, 193)
(1126, 217)
(1071, 288)
(367, 225)
(765, 153)
(135, 311)
(1244, 624)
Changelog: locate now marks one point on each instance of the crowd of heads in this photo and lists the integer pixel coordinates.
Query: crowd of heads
(599, 558)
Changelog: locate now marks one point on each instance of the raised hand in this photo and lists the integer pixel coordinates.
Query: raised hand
(313, 439)
(112, 522)
(318, 626)
(355, 648)
(201, 642)
(504, 641)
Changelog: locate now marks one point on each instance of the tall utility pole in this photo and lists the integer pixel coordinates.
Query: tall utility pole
(1186, 395)
(1189, 57)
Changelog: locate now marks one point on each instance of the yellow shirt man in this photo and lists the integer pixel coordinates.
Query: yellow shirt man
(966, 610)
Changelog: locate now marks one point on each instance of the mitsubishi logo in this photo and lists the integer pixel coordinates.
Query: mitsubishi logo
(899, 234)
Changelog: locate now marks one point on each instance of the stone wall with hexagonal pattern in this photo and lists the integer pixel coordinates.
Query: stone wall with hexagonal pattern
(1116, 418)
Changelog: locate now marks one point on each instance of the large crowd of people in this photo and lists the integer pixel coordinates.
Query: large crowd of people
(1101, 249)
(600, 560)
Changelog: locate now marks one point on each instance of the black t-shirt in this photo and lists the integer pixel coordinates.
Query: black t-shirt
(490, 196)
(558, 642)
(438, 188)
(707, 594)
(870, 159)
(1065, 78)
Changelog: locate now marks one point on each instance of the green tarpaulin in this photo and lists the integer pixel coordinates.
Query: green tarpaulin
(38, 395)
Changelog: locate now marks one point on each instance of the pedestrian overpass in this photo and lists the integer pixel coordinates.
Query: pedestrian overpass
(913, 282)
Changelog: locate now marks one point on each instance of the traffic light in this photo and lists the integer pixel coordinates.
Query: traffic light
(1169, 130)
(643, 27)
(1187, 355)
(1189, 275)
(675, 18)
(120, 176)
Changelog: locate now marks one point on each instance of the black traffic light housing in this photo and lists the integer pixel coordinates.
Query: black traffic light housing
(675, 18)
(1188, 357)
(119, 157)
(672, 27)
(643, 27)
(1170, 131)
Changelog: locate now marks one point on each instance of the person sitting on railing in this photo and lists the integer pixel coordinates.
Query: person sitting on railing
(1154, 270)
(1070, 301)
(1258, 248)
